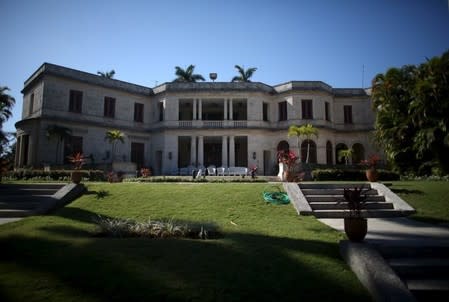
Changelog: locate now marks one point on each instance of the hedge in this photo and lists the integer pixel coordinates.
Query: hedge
(61, 175)
(351, 175)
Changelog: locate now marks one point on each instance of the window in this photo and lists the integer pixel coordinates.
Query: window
(72, 145)
(282, 111)
(75, 101)
(109, 107)
(326, 111)
(307, 112)
(138, 112)
(348, 114)
(265, 112)
(31, 103)
(161, 111)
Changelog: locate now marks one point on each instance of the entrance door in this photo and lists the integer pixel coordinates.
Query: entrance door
(266, 162)
(137, 154)
(158, 163)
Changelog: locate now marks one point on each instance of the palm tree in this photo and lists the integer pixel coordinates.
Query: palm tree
(113, 137)
(6, 104)
(307, 131)
(187, 75)
(60, 133)
(346, 154)
(107, 74)
(244, 75)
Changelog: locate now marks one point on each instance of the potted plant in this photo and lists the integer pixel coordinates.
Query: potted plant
(356, 226)
(78, 160)
(371, 164)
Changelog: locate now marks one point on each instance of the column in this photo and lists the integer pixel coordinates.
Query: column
(200, 151)
(21, 152)
(231, 111)
(225, 117)
(231, 151)
(200, 109)
(17, 157)
(193, 150)
(194, 109)
(224, 151)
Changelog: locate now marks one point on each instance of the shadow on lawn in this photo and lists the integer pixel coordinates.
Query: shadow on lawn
(239, 267)
(407, 191)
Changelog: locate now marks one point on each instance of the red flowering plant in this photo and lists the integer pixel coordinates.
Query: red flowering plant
(371, 162)
(287, 157)
(253, 170)
(78, 160)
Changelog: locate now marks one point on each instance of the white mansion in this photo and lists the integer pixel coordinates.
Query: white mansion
(176, 125)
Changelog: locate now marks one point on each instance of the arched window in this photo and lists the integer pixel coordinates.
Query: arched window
(337, 149)
(329, 159)
(312, 151)
(283, 146)
(358, 153)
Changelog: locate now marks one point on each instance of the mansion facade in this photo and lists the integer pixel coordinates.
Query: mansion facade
(175, 125)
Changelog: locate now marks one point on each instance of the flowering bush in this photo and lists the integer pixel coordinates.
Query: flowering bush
(371, 162)
(253, 170)
(287, 157)
(78, 160)
(145, 172)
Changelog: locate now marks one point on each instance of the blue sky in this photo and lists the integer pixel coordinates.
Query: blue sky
(286, 40)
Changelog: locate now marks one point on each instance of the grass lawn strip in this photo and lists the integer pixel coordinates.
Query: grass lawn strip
(267, 253)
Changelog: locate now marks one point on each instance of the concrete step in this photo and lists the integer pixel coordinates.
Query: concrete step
(333, 198)
(29, 191)
(30, 186)
(19, 205)
(24, 198)
(344, 205)
(421, 268)
(338, 192)
(427, 285)
(15, 213)
(332, 186)
(364, 213)
(389, 251)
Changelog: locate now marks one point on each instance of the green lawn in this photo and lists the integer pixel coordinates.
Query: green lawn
(429, 198)
(268, 252)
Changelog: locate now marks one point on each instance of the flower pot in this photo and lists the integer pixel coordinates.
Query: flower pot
(76, 177)
(356, 228)
(372, 175)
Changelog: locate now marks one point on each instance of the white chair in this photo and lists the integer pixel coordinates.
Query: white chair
(221, 171)
(211, 170)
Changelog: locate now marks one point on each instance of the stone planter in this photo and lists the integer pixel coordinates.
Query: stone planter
(372, 175)
(356, 228)
(77, 176)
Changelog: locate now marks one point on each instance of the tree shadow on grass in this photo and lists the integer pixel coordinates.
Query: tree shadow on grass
(240, 267)
(407, 191)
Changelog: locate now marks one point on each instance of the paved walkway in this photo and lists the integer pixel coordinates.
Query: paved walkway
(399, 230)
(7, 220)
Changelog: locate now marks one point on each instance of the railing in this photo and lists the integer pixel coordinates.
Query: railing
(240, 124)
(213, 124)
(185, 124)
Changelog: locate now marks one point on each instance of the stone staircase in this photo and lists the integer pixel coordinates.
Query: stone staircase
(21, 200)
(423, 269)
(326, 200)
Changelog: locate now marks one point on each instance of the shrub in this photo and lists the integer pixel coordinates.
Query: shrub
(350, 174)
(59, 175)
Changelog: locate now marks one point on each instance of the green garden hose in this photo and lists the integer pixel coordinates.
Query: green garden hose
(275, 197)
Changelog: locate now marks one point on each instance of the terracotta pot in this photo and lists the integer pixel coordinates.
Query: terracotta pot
(76, 177)
(372, 175)
(356, 228)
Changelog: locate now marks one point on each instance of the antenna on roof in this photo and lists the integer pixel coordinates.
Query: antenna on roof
(363, 76)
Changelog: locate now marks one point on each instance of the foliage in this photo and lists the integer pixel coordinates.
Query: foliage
(306, 131)
(412, 123)
(187, 75)
(145, 172)
(6, 104)
(244, 75)
(346, 154)
(350, 175)
(107, 74)
(287, 157)
(53, 175)
(113, 137)
(371, 162)
(78, 160)
(355, 198)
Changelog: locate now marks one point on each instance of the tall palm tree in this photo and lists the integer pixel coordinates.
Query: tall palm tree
(113, 137)
(187, 75)
(244, 75)
(346, 154)
(306, 131)
(60, 133)
(107, 74)
(6, 104)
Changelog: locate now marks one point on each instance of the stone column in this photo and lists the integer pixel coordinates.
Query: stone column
(194, 109)
(17, 157)
(193, 150)
(231, 151)
(200, 150)
(200, 109)
(21, 151)
(224, 151)
(225, 117)
(231, 111)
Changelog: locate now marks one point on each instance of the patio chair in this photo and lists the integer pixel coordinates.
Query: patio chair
(211, 170)
(221, 171)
